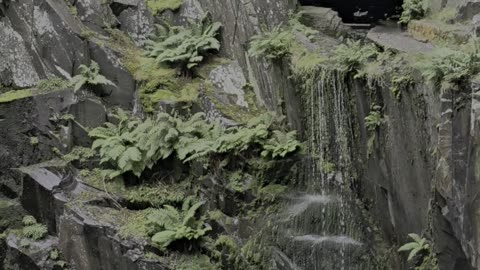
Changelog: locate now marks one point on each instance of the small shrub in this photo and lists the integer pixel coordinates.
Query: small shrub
(412, 10)
(273, 45)
(184, 47)
(89, 75)
(169, 224)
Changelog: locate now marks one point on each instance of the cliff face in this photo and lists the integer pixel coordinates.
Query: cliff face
(420, 175)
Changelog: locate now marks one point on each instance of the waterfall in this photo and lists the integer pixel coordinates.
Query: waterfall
(323, 227)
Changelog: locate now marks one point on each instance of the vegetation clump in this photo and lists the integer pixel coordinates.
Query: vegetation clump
(134, 145)
(445, 66)
(273, 45)
(90, 76)
(185, 47)
(170, 224)
(420, 247)
(374, 119)
(32, 229)
(279, 42)
(353, 55)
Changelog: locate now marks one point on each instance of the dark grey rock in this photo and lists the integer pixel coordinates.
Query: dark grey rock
(324, 20)
(122, 94)
(22, 120)
(96, 15)
(40, 40)
(136, 20)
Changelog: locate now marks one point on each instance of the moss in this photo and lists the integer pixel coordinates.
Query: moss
(15, 95)
(52, 84)
(237, 113)
(158, 194)
(194, 262)
(158, 6)
(305, 63)
(210, 64)
(328, 167)
(96, 179)
(134, 224)
(34, 141)
(44, 86)
(79, 153)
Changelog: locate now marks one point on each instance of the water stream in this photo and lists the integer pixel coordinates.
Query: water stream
(323, 228)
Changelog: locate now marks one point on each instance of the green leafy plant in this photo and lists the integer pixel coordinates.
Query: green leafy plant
(281, 144)
(450, 66)
(273, 45)
(399, 83)
(353, 55)
(169, 224)
(134, 145)
(374, 119)
(32, 229)
(412, 10)
(420, 247)
(184, 47)
(89, 75)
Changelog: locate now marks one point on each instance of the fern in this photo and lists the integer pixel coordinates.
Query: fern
(273, 45)
(450, 66)
(281, 144)
(134, 145)
(353, 55)
(184, 47)
(170, 224)
(89, 75)
(420, 246)
(32, 229)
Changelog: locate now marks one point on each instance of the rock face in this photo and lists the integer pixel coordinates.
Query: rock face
(420, 176)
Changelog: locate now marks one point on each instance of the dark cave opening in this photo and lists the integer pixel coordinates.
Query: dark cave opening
(360, 11)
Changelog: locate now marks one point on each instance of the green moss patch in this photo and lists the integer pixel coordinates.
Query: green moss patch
(159, 6)
(16, 94)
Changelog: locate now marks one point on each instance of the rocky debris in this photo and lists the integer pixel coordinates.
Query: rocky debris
(324, 20)
(392, 37)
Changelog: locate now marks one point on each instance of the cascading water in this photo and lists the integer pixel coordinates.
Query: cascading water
(323, 228)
